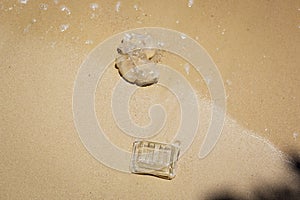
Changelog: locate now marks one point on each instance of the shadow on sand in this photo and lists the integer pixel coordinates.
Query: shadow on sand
(271, 191)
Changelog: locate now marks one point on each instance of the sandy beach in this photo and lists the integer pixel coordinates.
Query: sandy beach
(255, 45)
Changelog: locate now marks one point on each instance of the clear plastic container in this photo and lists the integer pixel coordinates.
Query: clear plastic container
(154, 158)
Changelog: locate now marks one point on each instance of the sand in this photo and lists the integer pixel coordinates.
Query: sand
(255, 45)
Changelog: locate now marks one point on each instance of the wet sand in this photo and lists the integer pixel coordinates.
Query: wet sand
(255, 45)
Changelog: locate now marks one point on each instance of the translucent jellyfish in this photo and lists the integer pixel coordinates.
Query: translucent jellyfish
(137, 58)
